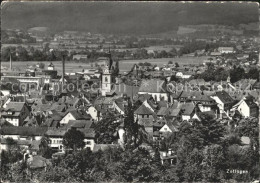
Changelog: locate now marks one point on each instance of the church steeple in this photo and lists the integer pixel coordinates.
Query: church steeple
(106, 86)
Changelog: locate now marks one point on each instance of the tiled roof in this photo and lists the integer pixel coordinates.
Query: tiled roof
(24, 131)
(79, 115)
(15, 106)
(38, 162)
(159, 122)
(128, 90)
(174, 112)
(203, 98)
(144, 110)
(163, 111)
(88, 132)
(224, 97)
(56, 132)
(153, 86)
(146, 122)
(143, 97)
(79, 123)
(187, 108)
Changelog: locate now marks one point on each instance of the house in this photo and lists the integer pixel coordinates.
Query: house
(187, 111)
(74, 115)
(94, 113)
(179, 74)
(163, 111)
(226, 50)
(147, 123)
(89, 137)
(15, 113)
(119, 105)
(51, 67)
(80, 124)
(5, 144)
(186, 75)
(144, 111)
(38, 163)
(247, 107)
(168, 156)
(215, 54)
(22, 133)
(224, 102)
(56, 137)
(155, 87)
(80, 57)
(205, 103)
(168, 128)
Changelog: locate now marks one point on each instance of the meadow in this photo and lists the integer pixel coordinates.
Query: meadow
(124, 65)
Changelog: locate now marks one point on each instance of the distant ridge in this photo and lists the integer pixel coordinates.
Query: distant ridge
(124, 17)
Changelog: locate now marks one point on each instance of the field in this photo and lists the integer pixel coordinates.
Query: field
(124, 65)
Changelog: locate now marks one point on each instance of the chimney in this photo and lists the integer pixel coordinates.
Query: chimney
(10, 62)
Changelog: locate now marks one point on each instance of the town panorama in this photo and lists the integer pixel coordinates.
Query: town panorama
(129, 92)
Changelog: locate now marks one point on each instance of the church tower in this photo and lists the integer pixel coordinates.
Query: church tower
(106, 82)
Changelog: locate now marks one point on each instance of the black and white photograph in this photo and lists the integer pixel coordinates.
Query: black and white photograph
(128, 91)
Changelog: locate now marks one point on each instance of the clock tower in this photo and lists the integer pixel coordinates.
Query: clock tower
(106, 82)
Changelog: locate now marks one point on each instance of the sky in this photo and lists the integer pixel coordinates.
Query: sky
(123, 17)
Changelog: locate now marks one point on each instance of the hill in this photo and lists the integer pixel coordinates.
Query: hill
(124, 17)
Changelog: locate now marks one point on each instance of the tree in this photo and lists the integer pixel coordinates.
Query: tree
(193, 166)
(157, 158)
(106, 129)
(207, 48)
(236, 74)
(41, 65)
(131, 126)
(73, 139)
(19, 173)
(213, 163)
(116, 70)
(44, 149)
(253, 73)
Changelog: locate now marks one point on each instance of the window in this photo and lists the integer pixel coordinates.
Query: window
(88, 142)
(106, 80)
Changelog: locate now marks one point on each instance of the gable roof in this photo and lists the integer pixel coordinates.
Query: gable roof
(38, 162)
(171, 127)
(224, 97)
(123, 89)
(144, 110)
(15, 106)
(88, 132)
(79, 115)
(153, 86)
(163, 111)
(187, 108)
(79, 124)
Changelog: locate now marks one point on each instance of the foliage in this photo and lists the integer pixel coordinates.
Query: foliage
(73, 139)
(106, 129)
(236, 74)
(41, 65)
(44, 148)
(219, 74)
(213, 163)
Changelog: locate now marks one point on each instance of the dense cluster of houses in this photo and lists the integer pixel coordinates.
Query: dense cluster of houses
(161, 105)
